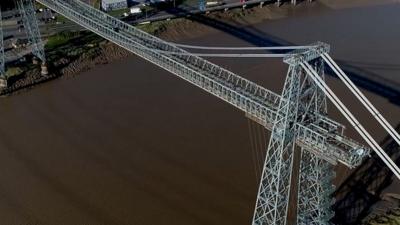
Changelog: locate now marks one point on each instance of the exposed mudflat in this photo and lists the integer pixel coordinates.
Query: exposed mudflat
(129, 143)
(337, 4)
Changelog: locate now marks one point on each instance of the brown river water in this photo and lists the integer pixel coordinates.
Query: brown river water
(129, 143)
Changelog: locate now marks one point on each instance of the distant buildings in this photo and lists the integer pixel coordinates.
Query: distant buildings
(109, 5)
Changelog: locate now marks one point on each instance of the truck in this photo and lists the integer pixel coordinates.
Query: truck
(135, 10)
(214, 3)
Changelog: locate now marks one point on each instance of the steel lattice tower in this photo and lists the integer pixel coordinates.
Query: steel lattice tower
(2, 59)
(27, 11)
(273, 195)
(315, 176)
(202, 5)
(300, 98)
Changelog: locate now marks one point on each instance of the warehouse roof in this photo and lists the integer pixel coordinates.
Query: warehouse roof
(112, 1)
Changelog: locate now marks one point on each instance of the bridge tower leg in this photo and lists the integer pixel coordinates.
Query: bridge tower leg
(202, 5)
(27, 11)
(3, 79)
(273, 194)
(315, 177)
(315, 189)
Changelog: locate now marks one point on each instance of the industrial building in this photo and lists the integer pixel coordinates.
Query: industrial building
(109, 5)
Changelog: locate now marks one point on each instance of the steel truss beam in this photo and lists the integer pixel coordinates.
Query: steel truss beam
(256, 101)
(27, 11)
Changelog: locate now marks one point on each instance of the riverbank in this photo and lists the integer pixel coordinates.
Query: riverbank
(342, 4)
(92, 51)
(61, 64)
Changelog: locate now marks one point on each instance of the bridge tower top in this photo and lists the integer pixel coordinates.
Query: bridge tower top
(300, 55)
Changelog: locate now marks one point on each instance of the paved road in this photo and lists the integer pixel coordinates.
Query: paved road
(190, 10)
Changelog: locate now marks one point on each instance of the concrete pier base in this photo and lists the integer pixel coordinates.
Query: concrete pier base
(3, 82)
(35, 61)
(44, 69)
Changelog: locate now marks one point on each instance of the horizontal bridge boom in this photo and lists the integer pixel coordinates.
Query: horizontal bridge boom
(256, 101)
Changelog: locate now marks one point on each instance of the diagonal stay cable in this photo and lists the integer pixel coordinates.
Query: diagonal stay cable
(353, 121)
(360, 96)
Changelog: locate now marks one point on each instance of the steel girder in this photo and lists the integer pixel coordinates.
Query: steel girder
(255, 100)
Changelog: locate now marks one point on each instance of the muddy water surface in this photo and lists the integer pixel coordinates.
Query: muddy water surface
(129, 143)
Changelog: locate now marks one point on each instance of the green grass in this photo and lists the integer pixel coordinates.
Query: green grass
(194, 3)
(97, 4)
(391, 218)
(60, 39)
(152, 28)
(13, 71)
(158, 27)
(118, 13)
(38, 5)
(62, 19)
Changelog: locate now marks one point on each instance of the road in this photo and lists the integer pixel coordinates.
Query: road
(190, 10)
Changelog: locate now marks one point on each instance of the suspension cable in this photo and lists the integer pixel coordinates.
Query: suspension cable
(240, 48)
(227, 55)
(253, 149)
(219, 55)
